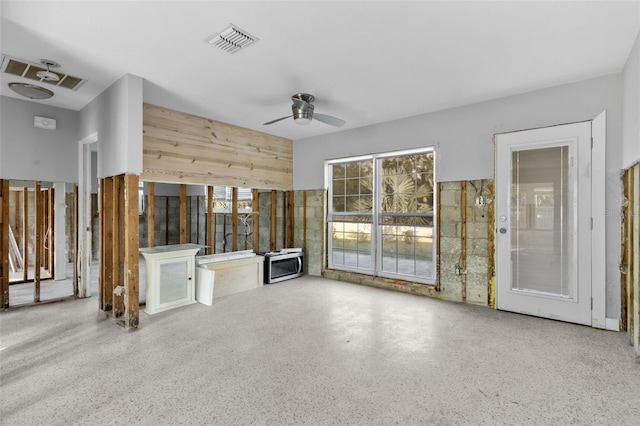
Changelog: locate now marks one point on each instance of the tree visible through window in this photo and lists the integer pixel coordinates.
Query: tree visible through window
(381, 214)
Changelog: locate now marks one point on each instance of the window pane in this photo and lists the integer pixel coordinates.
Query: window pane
(338, 187)
(337, 171)
(338, 204)
(352, 186)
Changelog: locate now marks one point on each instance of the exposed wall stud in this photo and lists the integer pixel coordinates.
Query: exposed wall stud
(183, 214)
(151, 211)
(4, 243)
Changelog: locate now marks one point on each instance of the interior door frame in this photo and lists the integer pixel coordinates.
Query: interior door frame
(84, 214)
(598, 220)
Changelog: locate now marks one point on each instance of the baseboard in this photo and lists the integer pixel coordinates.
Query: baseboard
(612, 324)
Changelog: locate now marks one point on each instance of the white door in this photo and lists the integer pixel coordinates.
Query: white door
(543, 222)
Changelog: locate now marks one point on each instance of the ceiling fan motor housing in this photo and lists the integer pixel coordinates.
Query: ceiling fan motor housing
(302, 113)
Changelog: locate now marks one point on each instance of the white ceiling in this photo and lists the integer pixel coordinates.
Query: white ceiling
(366, 62)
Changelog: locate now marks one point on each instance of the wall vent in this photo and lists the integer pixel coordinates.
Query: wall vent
(231, 39)
(29, 70)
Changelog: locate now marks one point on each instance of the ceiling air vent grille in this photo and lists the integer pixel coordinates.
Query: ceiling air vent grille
(25, 69)
(231, 39)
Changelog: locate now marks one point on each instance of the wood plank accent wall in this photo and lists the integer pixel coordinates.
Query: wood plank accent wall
(184, 148)
(4, 243)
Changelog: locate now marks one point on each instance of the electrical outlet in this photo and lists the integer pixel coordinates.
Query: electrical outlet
(458, 270)
(481, 200)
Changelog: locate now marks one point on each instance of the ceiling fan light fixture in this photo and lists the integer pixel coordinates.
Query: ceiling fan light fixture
(31, 91)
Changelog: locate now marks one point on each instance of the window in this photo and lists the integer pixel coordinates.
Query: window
(381, 215)
(222, 199)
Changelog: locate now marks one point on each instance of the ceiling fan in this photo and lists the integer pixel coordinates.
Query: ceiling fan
(302, 109)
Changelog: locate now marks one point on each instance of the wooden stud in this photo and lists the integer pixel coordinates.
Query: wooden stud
(630, 236)
(183, 213)
(635, 269)
(52, 232)
(151, 211)
(25, 233)
(108, 214)
(272, 217)
(234, 219)
(624, 250)
(255, 219)
(463, 238)
(491, 294)
(37, 241)
(118, 244)
(211, 230)
(290, 219)
(131, 255)
(166, 220)
(19, 224)
(304, 221)
(438, 189)
(76, 236)
(4, 243)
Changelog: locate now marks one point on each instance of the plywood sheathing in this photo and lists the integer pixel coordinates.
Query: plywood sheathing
(183, 148)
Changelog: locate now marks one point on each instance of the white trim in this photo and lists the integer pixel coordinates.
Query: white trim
(612, 324)
(598, 214)
(84, 213)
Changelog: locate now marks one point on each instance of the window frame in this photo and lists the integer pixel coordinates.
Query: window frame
(376, 214)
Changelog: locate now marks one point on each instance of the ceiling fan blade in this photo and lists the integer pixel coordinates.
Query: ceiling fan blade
(276, 120)
(327, 119)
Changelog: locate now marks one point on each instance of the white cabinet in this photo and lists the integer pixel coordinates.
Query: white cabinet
(170, 276)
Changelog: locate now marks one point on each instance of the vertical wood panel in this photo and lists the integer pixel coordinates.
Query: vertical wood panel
(131, 257)
(4, 243)
(37, 241)
(255, 219)
(151, 211)
(183, 214)
(234, 219)
(211, 230)
(52, 232)
(272, 220)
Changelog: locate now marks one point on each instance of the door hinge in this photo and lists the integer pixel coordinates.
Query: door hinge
(592, 303)
(592, 224)
(591, 142)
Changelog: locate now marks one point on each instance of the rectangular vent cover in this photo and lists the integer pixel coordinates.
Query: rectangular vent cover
(231, 39)
(25, 69)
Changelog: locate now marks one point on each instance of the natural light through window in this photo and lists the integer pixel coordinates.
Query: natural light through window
(381, 216)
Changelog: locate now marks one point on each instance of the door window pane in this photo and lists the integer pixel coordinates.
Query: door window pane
(542, 221)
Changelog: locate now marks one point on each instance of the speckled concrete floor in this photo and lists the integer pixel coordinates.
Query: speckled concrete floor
(312, 351)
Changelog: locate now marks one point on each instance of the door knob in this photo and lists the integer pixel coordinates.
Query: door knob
(503, 230)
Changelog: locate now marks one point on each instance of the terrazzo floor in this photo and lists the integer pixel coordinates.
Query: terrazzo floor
(312, 351)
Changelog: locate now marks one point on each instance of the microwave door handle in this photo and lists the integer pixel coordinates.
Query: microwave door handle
(299, 264)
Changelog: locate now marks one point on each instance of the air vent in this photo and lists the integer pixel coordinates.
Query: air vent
(28, 70)
(231, 39)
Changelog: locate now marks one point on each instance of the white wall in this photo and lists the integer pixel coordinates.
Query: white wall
(463, 138)
(116, 116)
(631, 107)
(29, 153)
